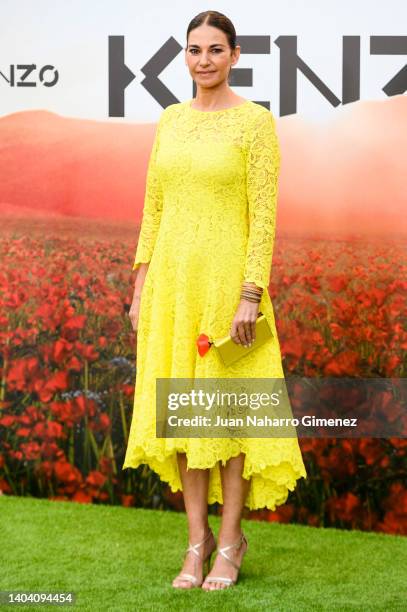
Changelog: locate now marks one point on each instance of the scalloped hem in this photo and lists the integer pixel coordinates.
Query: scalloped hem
(270, 482)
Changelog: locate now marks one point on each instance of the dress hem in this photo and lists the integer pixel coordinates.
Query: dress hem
(273, 491)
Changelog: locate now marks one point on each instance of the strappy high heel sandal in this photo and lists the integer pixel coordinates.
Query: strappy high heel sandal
(206, 561)
(222, 551)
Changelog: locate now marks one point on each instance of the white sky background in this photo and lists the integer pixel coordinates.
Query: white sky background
(73, 36)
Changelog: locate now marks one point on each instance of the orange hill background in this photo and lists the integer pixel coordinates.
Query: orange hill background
(345, 176)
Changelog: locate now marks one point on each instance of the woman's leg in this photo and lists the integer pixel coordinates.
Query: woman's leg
(195, 489)
(234, 490)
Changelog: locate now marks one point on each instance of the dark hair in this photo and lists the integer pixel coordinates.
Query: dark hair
(216, 20)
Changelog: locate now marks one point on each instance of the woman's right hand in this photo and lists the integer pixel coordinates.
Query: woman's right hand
(138, 287)
(135, 311)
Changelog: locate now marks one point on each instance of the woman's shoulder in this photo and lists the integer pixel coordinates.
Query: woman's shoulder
(260, 112)
(173, 108)
(168, 113)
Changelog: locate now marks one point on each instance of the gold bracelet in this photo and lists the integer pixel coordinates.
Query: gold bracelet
(250, 288)
(251, 293)
(249, 299)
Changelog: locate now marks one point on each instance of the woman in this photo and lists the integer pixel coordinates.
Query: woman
(204, 259)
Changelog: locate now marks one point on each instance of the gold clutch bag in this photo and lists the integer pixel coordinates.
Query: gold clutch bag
(228, 350)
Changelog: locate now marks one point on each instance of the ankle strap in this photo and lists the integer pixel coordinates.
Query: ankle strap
(194, 547)
(237, 544)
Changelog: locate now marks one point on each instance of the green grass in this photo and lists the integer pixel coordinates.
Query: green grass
(117, 558)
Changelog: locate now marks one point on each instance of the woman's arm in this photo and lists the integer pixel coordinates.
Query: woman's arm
(262, 171)
(263, 166)
(153, 204)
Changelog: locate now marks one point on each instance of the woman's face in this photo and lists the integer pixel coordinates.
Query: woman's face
(208, 56)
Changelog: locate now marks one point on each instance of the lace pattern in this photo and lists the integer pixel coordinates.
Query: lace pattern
(262, 170)
(208, 224)
(153, 204)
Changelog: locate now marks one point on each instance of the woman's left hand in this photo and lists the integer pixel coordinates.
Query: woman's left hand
(243, 330)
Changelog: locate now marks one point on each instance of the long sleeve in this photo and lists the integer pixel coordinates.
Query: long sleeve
(263, 166)
(153, 201)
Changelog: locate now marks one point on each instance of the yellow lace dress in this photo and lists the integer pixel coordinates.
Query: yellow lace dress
(208, 224)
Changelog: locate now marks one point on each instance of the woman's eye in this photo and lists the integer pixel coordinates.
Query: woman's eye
(216, 51)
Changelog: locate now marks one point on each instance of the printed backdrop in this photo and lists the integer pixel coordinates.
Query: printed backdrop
(82, 86)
